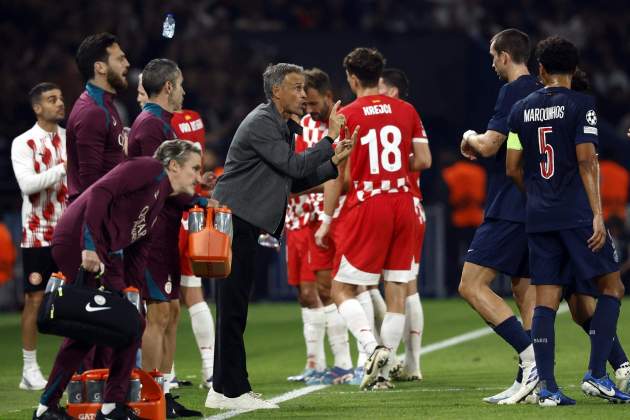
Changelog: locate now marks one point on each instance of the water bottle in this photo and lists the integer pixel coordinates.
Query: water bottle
(196, 219)
(54, 282)
(75, 390)
(223, 220)
(268, 241)
(168, 29)
(134, 393)
(94, 385)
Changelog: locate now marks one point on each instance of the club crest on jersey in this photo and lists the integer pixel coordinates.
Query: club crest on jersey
(168, 287)
(591, 117)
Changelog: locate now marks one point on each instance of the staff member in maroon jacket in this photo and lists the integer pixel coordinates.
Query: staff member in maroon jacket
(94, 130)
(113, 217)
(162, 80)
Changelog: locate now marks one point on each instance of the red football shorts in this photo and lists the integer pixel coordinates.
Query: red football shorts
(299, 256)
(378, 237)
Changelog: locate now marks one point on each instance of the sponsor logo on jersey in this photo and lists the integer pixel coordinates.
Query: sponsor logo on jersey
(139, 228)
(187, 127)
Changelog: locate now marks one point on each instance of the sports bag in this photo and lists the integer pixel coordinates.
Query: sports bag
(94, 316)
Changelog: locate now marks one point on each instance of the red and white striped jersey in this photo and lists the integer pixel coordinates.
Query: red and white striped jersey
(37, 157)
(414, 177)
(379, 162)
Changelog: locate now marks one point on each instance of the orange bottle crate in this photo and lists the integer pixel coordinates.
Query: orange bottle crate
(152, 404)
(210, 250)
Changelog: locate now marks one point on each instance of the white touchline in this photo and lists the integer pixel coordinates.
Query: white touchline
(300, 392)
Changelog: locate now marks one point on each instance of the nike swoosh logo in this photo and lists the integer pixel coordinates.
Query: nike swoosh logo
(90, 308)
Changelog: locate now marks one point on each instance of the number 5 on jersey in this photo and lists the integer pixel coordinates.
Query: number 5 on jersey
(390, 157)
(546, 166)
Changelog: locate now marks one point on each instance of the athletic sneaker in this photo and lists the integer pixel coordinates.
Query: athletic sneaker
(334, 376)
(176, 383)
(530, 380)
(503, 394)
(622, 377)
(53, 414)
(547, 398)
(381, 384)
(175, 409)
(214, 399)
(603, 388)
(306, 374)
(121, 412)
(373, 365)
(32, 379)
(358, 376)
(404, 375)
(248, 401)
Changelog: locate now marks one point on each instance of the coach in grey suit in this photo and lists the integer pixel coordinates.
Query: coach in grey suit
(261, 171)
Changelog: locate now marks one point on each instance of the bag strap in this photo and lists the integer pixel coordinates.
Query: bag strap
(80, 280)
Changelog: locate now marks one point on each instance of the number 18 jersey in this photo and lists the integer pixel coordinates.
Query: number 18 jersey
(379, 162)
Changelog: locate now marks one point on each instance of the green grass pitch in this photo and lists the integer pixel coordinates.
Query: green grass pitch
(456, 378)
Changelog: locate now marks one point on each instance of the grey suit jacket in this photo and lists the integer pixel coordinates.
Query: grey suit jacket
(262, 169)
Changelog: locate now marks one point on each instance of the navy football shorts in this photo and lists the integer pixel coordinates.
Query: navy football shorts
(553, 254)
(501, 245)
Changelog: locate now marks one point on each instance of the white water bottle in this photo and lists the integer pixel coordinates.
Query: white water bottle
(168, 28)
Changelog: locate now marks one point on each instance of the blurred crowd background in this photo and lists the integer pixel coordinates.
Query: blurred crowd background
(223, 46)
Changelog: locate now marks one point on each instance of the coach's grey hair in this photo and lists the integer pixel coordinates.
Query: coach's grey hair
(157, 72)
(177, 150)
(274, 75)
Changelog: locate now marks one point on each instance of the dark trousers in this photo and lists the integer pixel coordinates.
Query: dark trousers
(72, 352)
(230, 365)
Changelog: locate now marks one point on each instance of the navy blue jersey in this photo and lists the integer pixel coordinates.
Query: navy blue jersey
(550, 123)
(504, 201)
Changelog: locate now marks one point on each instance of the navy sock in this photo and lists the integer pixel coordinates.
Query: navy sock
(602, 331)
(617, 355)
(513, 333)
(519, 374)
(543, 337)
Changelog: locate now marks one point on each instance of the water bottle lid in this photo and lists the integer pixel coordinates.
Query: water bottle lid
(169, 14)
(77, 377)
(196, 208)
(134, 375)
(58, 275)
(93, 376)
(155, 373)
(131, 289)
(224, 209)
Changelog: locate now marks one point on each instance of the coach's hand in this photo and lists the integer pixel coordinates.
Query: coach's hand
(344, 147)
(597, 241)
(90, 261)
(335, 121)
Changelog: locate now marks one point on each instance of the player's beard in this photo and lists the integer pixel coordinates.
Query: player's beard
(117, 82)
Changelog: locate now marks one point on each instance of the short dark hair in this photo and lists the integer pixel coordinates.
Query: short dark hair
(157, 72)
(35, 94)
(557, 55)
(317, 79)
(274, 75)
(93, 49)
(513, 42)
(366, 64)
(398, 79)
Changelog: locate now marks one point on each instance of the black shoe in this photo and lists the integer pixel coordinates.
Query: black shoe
(121, 412)
(53, 414)
(175, 409)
